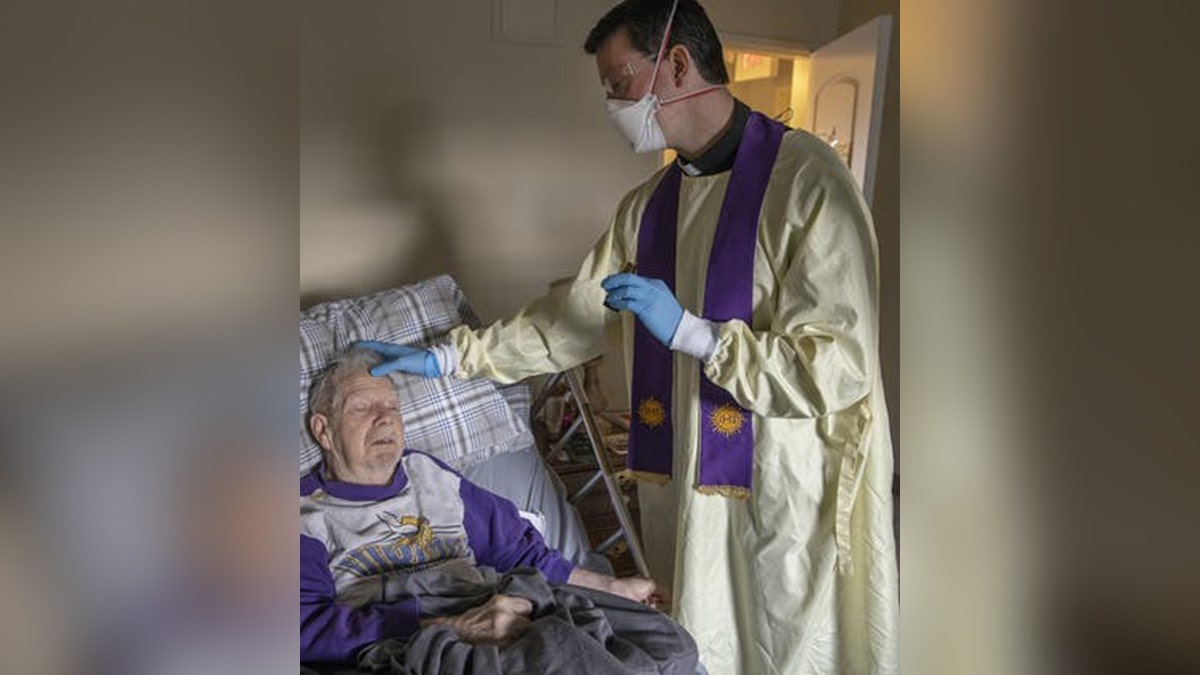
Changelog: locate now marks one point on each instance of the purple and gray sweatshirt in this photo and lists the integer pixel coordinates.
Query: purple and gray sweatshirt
(353, 536)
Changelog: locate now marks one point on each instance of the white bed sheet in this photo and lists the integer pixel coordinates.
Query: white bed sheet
(524, 479)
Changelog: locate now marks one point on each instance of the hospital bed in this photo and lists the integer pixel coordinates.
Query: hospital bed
(517, 471)
(524, 478)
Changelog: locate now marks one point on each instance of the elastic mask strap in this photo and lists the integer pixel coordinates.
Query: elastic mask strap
(662, 46)
(704, 90)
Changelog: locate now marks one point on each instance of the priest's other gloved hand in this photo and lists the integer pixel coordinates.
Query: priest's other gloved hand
(649, 299)
(404, 359)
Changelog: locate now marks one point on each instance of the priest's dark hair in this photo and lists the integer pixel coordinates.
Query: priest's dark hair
(645, 20)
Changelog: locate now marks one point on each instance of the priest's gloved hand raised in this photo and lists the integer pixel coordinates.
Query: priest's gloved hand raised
(649, 299)
(403, 359)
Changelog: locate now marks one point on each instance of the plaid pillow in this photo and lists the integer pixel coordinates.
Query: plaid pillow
(462, 422)
(520, 398)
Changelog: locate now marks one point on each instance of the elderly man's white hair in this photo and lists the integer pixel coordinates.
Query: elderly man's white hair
(322, 397)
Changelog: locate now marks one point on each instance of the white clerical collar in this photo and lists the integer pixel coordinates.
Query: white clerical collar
(721, 155)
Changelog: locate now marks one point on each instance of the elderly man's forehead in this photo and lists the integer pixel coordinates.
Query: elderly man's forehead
(365, 384)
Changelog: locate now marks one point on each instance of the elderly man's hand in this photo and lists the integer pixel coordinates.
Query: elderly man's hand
(499, 621)
(638, 589)
(643, 590)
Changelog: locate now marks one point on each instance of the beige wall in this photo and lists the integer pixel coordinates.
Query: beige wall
(810, 22)
(429, 147)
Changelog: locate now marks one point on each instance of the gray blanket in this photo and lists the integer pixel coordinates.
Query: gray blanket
(575, 630)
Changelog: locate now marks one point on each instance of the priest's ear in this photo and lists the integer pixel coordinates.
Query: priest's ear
(680, 65)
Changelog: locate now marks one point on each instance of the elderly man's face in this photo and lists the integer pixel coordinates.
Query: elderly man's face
(364, 436)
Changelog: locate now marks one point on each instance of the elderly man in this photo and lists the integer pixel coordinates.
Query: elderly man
(378, 522)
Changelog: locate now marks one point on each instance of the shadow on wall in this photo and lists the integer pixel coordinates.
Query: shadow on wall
(428, 149)
(373, 218)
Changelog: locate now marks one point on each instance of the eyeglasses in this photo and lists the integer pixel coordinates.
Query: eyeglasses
(618, 87)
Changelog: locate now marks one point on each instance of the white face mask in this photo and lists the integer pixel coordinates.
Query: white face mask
(638, 120)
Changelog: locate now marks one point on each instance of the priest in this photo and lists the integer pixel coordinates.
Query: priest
(759, 429)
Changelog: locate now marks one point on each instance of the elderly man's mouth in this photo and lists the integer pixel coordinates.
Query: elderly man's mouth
(384, 441)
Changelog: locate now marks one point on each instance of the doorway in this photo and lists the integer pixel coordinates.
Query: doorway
(770, 78)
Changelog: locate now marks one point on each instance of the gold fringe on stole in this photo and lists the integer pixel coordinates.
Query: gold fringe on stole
(649, 476)
(730, 491)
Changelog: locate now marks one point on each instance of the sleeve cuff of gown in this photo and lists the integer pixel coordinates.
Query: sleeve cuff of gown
(447, 357)
(696, 337)
(723, 355)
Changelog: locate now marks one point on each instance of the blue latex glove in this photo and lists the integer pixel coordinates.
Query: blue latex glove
(403, 359)
(649, 299)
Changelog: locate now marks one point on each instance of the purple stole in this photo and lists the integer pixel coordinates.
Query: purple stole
(726, 432)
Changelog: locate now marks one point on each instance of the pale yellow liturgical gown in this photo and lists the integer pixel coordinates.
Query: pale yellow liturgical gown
(801, 577)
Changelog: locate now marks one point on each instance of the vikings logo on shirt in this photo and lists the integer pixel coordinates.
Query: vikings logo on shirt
(411, 544)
